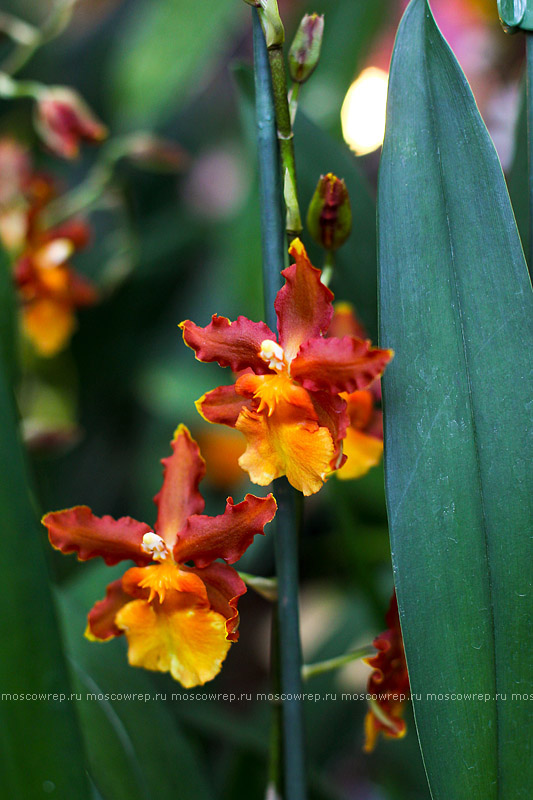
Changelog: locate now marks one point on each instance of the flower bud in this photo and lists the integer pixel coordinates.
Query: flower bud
(63, 120)
(329, 218)
(305, 48)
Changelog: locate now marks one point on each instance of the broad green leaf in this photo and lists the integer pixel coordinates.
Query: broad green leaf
(136, 748)
(163, 50)
(456, 306)
(41, 750)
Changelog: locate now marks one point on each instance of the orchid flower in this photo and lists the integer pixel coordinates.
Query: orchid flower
(177, 618)
(389, 682)
(363, 443)
(288, 402)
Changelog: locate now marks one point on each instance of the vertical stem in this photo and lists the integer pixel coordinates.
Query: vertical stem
(529, 85)
(285, 138)
(286, 651)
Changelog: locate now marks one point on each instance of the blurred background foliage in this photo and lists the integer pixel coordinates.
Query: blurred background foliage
(166, 247)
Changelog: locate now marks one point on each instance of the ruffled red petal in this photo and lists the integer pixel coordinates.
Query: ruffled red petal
(101, 617)
(179, 497)
(224, 588)
(338, 365)
(78, 530)
(223, 405)
(226, 536)
(303, 305)
(231, 344)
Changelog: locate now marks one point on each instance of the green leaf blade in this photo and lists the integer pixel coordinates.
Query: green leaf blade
(456, 306)
(41, 749)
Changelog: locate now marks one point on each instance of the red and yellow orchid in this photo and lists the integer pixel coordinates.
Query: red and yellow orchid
(49, 289)
(288, 400)
(363, 443)
(388, 683)
(177, 618)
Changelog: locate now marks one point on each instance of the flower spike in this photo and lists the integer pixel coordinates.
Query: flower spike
(176, 618)
(288, 400)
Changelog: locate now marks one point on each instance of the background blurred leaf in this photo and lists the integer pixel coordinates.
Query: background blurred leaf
(456, 306)
(41, 748)
(163, 50)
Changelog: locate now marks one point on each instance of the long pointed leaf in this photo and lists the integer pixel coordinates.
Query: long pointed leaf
(456, 306)
(41, 749)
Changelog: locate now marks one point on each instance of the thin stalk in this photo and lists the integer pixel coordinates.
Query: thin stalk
(289, 776)
(285, 138)
(320, 667)
(293, 101)
(328, 268)
(529, 89)
(56, 23)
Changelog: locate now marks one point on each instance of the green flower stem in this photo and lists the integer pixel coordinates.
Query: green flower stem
(288, 777)
(266, 587)
(90, 190)
(56, 23)
(313, 670)
(10, 89)
(293, 101)
(328, 268)
(285, 138)
(529, 87)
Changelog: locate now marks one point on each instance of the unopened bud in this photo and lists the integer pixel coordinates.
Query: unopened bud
(329, 219)
(63, 120)
(305, 49)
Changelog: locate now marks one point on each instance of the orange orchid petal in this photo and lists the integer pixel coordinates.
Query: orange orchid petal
(78, 530)
(48, 324)
(345, 322)
(360, 408)
(222, 448)
(362, 453)
(388, 681)
(338, 365)
(224, 588)
(303, 305)
(227, 536)
(286, 443)
(179, 496)
(231, 344)
(331, 411)
(162, 580)
(101, 618)
(177, 636)
(223, 405)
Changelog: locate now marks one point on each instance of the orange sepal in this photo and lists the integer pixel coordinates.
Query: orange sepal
(101, 618)
(304, 304)
(231, 344)
(78, 530)
(179, 496)
(48, 324)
